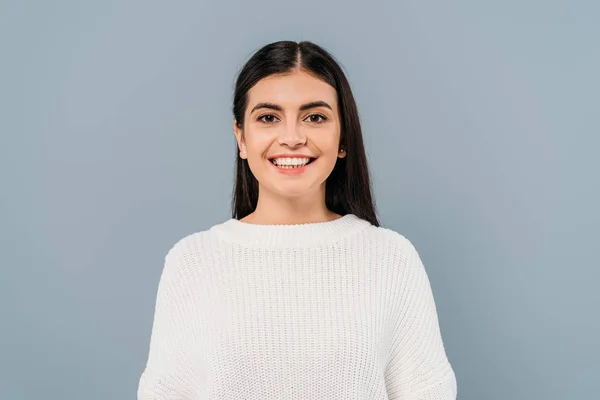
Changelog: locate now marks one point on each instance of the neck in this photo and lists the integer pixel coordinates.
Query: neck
(278, 210)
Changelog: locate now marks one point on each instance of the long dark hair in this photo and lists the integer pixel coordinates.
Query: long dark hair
(348, 187)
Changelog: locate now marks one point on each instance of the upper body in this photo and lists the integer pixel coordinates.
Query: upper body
(301, 294)
(333, 310)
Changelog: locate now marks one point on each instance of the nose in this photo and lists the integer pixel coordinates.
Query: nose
(291, 135)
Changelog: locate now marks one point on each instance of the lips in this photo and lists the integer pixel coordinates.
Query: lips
(291, 161)
(289, 166)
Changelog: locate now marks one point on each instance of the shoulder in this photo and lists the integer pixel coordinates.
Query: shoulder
(190, 252)
(187, 244)
(408, 273)
(391, 239)
(398, 250)
(193, 244)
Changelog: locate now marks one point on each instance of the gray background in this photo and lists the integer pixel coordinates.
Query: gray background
(481, 123)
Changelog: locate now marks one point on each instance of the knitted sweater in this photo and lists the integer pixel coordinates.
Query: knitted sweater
(327, 310)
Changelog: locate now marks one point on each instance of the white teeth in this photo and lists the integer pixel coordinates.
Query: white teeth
(290, 162)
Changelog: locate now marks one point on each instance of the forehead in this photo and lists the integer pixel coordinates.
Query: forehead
(291, 90)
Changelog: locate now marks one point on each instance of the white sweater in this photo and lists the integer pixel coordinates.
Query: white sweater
(329, 310)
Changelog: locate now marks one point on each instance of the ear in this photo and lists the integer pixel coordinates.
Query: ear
(239, 137)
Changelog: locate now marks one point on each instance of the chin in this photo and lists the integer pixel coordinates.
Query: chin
(291, 190)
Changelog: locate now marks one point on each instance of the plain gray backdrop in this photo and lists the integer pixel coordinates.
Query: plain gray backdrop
(481, 121)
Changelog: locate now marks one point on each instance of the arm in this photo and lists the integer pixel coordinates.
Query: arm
(418, 368)
(168, 373)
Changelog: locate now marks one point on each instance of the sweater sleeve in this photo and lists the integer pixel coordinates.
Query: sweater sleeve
(418, 368)
(168, 372)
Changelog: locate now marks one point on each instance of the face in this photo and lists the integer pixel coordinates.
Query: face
(290, 118)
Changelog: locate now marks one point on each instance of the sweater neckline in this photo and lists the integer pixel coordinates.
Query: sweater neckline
(289, 236)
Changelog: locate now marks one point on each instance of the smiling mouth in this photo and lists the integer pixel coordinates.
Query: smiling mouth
(291, 163)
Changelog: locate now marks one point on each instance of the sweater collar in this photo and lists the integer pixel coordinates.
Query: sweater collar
(289, 236)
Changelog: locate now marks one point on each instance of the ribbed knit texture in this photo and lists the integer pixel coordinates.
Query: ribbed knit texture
(329, 310)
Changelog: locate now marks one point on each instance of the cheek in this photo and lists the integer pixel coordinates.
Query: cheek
(256, 145)
(328, 144)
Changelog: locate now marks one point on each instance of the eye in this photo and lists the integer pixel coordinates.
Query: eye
(268, 121)
(314, 118)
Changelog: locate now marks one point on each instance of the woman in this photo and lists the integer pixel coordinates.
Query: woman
(300, 295)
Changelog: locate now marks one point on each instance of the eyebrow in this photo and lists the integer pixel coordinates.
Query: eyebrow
(271, 106)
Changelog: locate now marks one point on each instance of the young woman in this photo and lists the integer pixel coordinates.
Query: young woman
(301, 294)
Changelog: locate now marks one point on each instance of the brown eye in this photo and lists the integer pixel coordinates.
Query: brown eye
(269, 118)
(315, 118)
